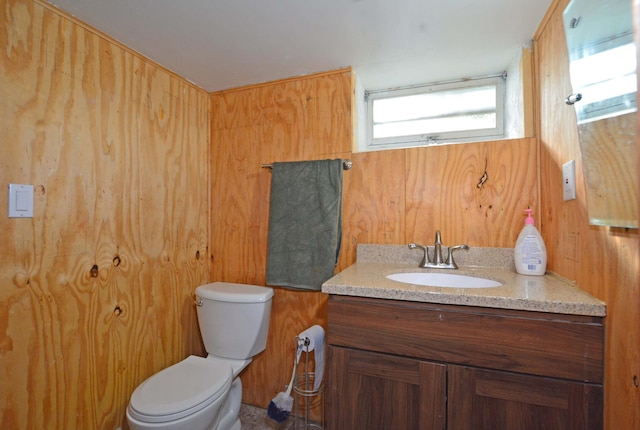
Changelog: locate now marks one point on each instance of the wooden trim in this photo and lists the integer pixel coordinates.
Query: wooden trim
(283, 81)
(546, 18)
(528, 91)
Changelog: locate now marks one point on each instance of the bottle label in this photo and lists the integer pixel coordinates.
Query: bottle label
(531, 252)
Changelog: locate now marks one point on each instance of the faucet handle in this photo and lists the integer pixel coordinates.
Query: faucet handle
(425, 259)
(452, 264)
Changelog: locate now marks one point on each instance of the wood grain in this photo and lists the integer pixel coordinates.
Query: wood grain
(540, 344)
(297, 119)
(379, 391)
(495, 399)
(97, 286)
(609, 154)
(483, 368)
(474, 193)
(373, 207)
(603, 261)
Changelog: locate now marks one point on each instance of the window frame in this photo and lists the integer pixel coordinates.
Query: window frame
(473, 135)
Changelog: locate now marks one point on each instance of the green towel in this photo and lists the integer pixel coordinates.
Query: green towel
(305, 223)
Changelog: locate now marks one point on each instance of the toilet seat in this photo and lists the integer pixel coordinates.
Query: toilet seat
(180, 390)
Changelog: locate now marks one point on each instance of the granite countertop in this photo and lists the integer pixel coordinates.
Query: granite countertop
(548, 293)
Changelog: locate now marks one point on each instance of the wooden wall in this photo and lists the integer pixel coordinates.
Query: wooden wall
(293, 120)
(95, 289)
(118, 149)
(603, 261)
(390, 197)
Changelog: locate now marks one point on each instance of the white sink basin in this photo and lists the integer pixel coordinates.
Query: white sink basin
(446, 280)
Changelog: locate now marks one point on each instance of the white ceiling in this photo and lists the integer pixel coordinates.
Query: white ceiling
(220, 44)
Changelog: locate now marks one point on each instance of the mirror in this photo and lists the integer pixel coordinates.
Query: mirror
(602, 63)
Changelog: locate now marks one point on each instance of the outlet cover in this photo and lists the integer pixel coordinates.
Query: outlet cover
(569, 180)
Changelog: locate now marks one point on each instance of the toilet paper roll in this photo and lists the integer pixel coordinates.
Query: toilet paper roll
(313, 341)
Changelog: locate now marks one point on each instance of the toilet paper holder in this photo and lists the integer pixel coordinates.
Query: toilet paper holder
(303, 341)
(308, 405)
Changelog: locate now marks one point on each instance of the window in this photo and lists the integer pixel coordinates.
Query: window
(469, 110)
(606, 80)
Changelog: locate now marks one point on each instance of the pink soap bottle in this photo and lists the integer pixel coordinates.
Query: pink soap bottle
(530, 252)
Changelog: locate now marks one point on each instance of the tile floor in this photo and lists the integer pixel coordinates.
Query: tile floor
(253, 418)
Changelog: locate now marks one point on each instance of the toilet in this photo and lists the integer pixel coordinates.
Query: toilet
(205, 393)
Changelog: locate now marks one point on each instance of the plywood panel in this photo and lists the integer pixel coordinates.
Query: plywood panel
(297, 119)
(97, 287)
(474, 193)
(374, 201)
(603, 261)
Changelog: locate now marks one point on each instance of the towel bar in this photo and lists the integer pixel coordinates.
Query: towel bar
(346, 165)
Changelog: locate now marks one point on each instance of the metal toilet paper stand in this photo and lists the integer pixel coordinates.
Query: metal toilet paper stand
(308, 403)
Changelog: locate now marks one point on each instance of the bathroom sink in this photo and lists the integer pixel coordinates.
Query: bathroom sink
(446, 280)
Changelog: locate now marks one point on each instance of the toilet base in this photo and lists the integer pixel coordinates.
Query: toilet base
(229, 419)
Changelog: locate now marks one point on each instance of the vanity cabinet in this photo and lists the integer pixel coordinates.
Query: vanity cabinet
(411, 365)
(382, 391)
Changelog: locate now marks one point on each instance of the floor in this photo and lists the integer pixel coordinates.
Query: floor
(253, 418)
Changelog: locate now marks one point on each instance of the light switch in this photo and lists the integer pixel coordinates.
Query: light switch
(20, 201)
(569, 180)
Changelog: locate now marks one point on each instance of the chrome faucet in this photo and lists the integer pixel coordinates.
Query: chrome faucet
(438, 262)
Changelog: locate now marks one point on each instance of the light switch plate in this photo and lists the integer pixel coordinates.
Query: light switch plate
(20, 201)
(569, 180)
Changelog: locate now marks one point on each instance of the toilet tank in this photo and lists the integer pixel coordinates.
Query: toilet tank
(234, 318)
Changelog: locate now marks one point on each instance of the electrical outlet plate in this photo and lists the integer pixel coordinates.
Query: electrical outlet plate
(569, 180)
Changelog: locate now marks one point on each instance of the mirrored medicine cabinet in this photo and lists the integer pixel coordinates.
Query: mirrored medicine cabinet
(602, 62)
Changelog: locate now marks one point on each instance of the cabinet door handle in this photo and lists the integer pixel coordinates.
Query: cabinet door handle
(573, 98)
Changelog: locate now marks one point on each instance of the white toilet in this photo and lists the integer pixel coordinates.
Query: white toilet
(205, 393)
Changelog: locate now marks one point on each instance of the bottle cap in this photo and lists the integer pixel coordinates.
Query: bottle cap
(529, 219)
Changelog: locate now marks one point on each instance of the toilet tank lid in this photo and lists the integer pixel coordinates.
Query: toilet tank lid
(234, 293)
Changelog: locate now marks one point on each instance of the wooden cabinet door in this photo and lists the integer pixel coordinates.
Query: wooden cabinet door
(486, 399)
(382, 392)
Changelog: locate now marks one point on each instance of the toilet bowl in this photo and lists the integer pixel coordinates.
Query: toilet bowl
(205, 393)
(187, 395)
